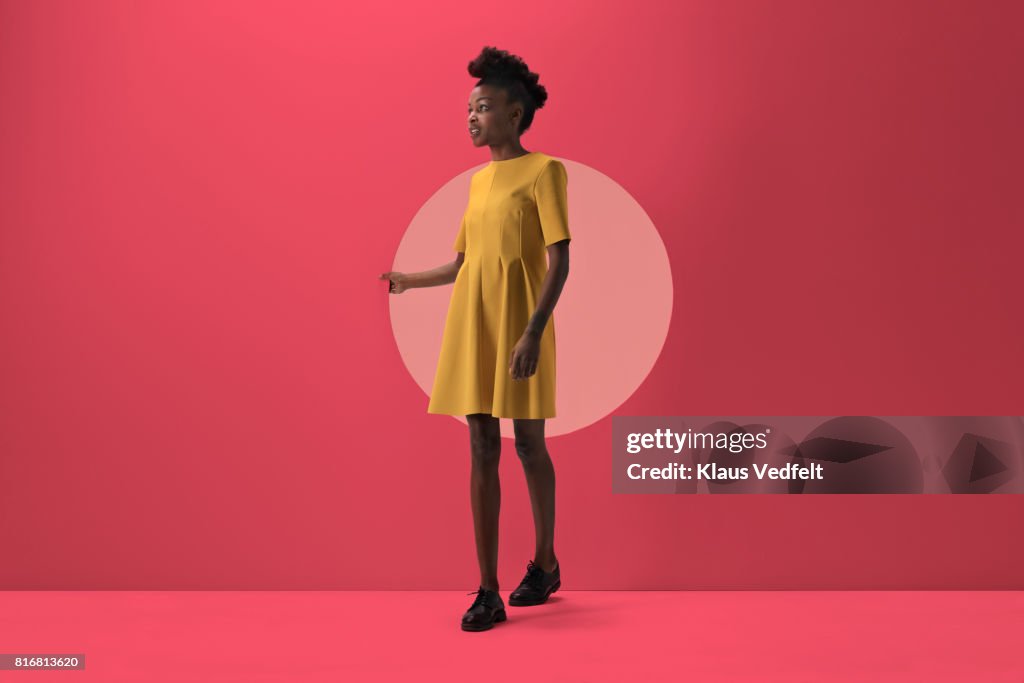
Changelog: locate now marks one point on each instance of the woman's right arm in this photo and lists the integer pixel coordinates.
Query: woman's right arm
(442, 275)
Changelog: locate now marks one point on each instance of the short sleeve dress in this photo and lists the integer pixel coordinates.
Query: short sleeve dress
(517, 208)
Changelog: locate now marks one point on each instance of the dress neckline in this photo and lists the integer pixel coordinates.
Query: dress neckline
(504, 161)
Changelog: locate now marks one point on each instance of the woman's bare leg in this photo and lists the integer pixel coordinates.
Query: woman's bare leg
(485, 493)
(540, 478)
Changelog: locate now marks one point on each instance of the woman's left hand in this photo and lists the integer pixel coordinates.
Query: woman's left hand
(524, 356)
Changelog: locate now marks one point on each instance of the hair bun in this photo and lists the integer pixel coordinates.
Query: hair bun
(493, 64)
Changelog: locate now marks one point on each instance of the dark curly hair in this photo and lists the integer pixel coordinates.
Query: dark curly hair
(499, 68)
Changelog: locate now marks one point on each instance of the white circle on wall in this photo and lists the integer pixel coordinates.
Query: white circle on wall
(611, 319)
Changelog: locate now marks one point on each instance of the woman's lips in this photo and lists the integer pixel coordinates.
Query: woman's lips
(473, 132)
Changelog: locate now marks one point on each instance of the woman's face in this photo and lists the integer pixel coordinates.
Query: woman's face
(490, 114)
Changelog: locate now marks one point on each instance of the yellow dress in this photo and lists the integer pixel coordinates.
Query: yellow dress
(517, 207)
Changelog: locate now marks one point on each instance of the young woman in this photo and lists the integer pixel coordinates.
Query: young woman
(498, 350)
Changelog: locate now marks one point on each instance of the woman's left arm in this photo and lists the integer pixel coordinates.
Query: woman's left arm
(526, 352)
(551, 289)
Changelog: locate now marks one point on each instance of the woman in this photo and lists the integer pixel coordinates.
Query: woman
(497, 356)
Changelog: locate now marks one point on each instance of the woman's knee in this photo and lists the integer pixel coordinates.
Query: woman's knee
(530, 440)
(485, 448)
(484, 438)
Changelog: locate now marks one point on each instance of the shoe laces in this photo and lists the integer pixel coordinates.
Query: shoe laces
(534, 576)
(481, 597)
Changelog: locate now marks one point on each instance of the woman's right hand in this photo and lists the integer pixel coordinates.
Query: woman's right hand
(398, 281)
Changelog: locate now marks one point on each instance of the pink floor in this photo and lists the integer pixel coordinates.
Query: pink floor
(577, 636)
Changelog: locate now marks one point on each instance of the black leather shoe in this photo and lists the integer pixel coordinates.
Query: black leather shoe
(536, 586)
(487, 610)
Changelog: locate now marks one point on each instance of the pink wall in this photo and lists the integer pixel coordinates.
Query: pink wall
(199, 383)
